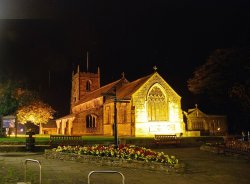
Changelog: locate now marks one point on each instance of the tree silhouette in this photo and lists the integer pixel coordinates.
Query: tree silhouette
(12, 96)
(8, 100)
(225, 80)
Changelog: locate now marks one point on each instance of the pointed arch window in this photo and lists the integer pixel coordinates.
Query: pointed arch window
(91, 121)
(107, 115)
(123, 113)
(157, 105)
(88, 84)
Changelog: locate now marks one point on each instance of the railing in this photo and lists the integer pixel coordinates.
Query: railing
(238, 145)
(25, 171)
(166, 139)
(106, 172)
(65, 140)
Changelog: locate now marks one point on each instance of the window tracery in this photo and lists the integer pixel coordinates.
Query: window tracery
(157, 105)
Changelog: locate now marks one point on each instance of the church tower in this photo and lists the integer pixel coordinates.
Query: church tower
(82, 84)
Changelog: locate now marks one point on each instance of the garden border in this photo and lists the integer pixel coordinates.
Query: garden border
(114, 162)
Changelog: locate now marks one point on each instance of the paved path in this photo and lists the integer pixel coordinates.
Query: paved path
(201, 168)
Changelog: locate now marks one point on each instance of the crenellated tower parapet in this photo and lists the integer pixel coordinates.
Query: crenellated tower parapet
(82, 84)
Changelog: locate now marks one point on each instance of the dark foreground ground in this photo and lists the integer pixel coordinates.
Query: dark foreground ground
(201, 168)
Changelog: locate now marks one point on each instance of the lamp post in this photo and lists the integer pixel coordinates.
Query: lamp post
(115, 118)
(115, 124)
(115, 127)
(113, 95)
(15, 127)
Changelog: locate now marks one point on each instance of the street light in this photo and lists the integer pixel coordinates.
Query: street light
(115, 123)
(113, 95)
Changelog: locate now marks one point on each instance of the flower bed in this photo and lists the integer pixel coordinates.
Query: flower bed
(124, 156)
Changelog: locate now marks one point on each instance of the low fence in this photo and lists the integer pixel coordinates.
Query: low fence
(238, 145)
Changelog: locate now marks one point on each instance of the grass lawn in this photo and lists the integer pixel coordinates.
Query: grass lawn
(44, 139)
(22, 139)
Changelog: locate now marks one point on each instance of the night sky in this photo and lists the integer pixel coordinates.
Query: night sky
(47, 39)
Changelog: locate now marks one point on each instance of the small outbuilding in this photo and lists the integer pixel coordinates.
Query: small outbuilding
(48, 128)
(197, 120)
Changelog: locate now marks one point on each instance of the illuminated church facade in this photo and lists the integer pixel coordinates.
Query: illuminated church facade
(144, 107)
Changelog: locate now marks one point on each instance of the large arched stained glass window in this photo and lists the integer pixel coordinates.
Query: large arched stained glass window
(157, 105)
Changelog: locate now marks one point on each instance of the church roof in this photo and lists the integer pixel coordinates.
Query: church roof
(109, 88)
(124, 89)
(127, 90)
(50, 124)
(66, 117)
(195, 112)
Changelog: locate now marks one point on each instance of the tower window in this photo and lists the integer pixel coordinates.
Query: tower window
(88, 85)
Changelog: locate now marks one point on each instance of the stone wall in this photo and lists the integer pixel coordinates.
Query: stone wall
(172, 124)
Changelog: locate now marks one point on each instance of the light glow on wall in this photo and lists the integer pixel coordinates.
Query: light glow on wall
(158, 124)
(173, 112)
(149, 129)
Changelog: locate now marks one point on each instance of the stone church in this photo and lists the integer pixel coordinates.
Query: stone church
(204, 123)
(142, 108)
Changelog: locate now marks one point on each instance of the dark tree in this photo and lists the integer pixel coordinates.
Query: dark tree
(12, 96)
(225, 80)
(8, 100)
